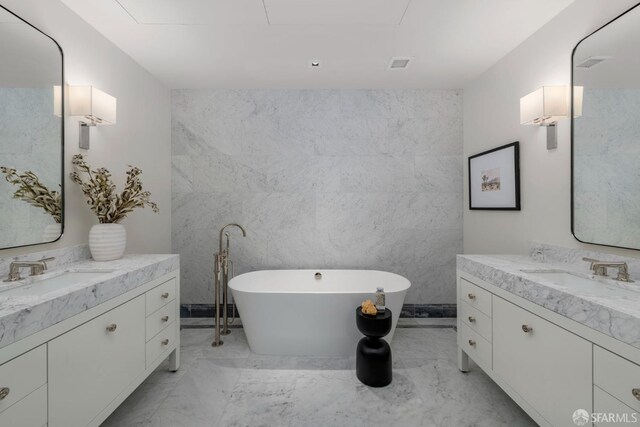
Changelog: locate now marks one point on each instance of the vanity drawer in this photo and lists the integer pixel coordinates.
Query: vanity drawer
(475, 296)
(604, 403)
(160, 343)
(544, 363)
(160, 296)
(28, 412)
(478, 348)
(160, 319)
(617, 376)
(23, 375)
(476, 320)
(91, 364)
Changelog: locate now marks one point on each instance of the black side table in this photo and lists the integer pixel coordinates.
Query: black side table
(373, 355)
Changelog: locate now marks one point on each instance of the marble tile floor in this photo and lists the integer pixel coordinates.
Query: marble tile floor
(230, 386)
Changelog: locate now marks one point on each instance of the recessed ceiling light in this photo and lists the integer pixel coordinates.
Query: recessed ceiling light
(400, 62)
(314, 63)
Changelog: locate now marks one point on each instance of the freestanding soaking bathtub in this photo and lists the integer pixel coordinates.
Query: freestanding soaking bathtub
(298, 312)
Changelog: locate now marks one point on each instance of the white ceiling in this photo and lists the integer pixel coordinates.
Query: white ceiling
(269, 43)
(194, 12)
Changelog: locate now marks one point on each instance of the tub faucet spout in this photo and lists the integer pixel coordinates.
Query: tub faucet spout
(222, 233)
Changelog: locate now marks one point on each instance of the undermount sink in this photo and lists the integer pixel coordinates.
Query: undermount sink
(574, 281)
(39, 286)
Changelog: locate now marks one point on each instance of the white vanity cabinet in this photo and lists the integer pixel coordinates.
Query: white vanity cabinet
(616, 383)
(550, 365)
(475, 323)
(90, 365)
(23, 389)
(542, 362)
(78, 371)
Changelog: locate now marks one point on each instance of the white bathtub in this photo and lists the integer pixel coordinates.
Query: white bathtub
(289, 312)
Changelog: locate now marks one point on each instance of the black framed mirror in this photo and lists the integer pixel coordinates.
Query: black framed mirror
(605, 134)
(31, 134)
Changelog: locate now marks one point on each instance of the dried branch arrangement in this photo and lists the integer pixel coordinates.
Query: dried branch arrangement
(100, 191)
(34, 192)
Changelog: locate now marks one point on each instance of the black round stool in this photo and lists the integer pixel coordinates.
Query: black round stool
(373, 355)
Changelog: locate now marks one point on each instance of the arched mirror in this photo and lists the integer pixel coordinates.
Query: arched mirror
(31, 134)
(606, 135)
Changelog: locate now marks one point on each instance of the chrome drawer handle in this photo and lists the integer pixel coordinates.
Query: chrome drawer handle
(165, 295)
(472, 319)
(4, 392)
(165, 318)
(164, 341)
(472, 343)
(527, 329)
(636, 393)
(112, 327)
(471, 296)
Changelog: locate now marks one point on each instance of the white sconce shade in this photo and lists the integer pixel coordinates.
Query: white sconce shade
(546, 105)
(88, 102)
(578, 93)
(57, 101)
(92, 104)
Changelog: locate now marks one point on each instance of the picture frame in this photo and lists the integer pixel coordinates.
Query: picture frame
(494, 179)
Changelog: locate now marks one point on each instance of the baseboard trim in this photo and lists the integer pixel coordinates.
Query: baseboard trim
(418, 311)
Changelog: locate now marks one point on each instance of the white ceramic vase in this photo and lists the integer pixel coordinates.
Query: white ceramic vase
(107, 241)
(51, 232)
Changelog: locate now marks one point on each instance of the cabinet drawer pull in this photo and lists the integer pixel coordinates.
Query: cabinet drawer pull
(636, 393)
(527, 328)
(112, 327)
(165, 295)
(472, 319)
(165, 341)
(471, 296)
(165, 318)
(4, 392)
(472, 343)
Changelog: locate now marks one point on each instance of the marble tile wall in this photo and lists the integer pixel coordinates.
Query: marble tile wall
(320, 179)
(63, 256)
(607, 181)
(29, 140)
(560, 254)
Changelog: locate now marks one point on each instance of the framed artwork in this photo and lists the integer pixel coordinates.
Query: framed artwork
(494, 179)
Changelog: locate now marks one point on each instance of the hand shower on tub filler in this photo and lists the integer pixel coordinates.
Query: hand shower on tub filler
(380, 300)
(221, 283)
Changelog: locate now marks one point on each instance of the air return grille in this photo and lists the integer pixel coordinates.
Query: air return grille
(399, 63)
(592, 61)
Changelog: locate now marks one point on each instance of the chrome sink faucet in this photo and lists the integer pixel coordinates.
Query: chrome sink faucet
(37, 268)
(599, 268)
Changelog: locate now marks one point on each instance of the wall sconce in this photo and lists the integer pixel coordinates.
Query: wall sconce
(546, 106)
(97, 107)
(93, 105)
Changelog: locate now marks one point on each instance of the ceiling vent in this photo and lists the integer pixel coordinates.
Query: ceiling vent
(592, 61)
(400, 63)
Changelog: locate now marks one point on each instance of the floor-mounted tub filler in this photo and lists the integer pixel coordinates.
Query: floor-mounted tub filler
(310, 312)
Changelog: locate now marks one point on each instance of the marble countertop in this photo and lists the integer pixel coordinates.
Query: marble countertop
(24, 315)
(613, 308)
